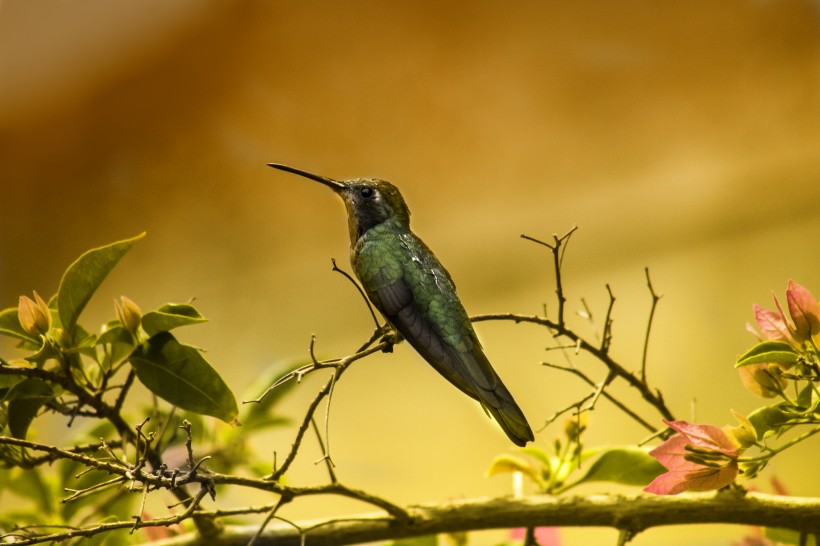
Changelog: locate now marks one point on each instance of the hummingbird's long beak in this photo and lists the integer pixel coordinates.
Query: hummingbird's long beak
(335, 185)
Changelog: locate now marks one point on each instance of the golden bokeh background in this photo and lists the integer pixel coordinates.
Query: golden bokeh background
(680, 136)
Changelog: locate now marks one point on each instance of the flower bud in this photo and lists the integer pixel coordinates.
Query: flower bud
(575, 426)
(128, 313)
(34, 315)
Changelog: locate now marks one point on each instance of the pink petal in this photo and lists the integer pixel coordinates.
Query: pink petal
(670, 454)
(803, 309)
(705, 437)
(670, 483)
(783, 317)
(705, 479)
(708, 478)
(771, 324)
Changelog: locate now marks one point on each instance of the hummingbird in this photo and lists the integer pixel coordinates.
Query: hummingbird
(406, 282)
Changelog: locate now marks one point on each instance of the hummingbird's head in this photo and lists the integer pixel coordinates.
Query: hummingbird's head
(369, 201)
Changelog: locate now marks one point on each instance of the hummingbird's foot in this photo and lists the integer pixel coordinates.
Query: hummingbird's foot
(390, 338)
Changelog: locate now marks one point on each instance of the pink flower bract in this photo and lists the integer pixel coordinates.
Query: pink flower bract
(684, 475)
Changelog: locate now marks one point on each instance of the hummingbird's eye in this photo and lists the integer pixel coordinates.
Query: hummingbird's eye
(367, 192)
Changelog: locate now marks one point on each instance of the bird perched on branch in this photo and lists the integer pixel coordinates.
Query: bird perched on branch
(405, 281)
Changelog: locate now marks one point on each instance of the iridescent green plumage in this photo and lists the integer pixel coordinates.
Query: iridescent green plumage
(410, 287)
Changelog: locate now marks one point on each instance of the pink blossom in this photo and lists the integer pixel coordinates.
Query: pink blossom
(804, 311)
(699, 457)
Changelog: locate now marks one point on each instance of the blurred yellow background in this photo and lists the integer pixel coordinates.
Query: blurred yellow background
(680, 136)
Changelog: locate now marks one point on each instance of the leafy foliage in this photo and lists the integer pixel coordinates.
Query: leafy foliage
(67, 370)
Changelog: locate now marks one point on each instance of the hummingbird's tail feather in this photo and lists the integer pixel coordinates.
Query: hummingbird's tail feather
(513, 423)
(486, 386)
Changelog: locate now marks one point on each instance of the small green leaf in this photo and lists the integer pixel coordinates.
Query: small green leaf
(120, 344)
(771, 419)
(179, 374)
(84, 276)
(511, 463)
(622, 464)
(777, 352)
(170, 316)
(540, 455)
(24, 401)
(10, 326)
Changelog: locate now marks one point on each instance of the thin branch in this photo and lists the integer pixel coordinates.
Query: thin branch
(654, 398)
(359, 288)
(557, 248)
(22, 539)
(339, 366)
(617, 403)
(281, 502)
(606, 338)
(655, 298)
(325, 451)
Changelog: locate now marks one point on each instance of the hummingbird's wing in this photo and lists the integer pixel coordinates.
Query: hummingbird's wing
(418, 298)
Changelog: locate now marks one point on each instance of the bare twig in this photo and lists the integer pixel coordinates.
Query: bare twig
(359, 288)
(606, 338)
(557, 248)
(339, 367)
(655, 298)
(325, 451)
(652, 397)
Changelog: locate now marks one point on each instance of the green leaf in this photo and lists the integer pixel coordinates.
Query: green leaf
(540, 455)
(511, 463)
(24, 401)
(622, 464)
(120, 344)
(769, 419)
(170, 316)
(777, 352)
(10, 326)
(84, 276)
(179, 374)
